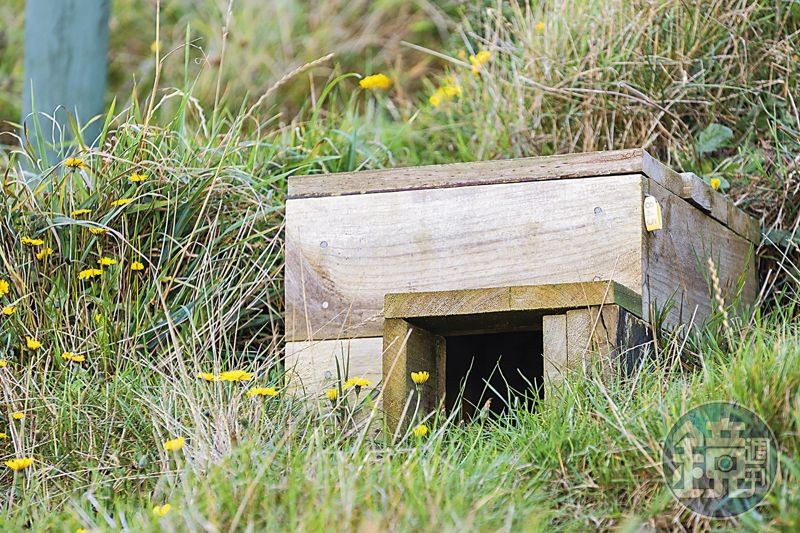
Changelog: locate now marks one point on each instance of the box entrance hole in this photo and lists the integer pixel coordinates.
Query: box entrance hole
(504, 369)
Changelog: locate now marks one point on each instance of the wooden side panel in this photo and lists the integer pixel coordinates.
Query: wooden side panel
(608, 333)
(408, 349)
(312, 366)
(344, 254)
(634, 341)
(676, 258)
(618, 339)
(554, 337)
(579, 338)
(719, 207)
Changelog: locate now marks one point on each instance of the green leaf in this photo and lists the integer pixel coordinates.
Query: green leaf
(714, 137)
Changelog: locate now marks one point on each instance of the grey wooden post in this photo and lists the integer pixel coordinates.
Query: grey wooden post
(66, 48)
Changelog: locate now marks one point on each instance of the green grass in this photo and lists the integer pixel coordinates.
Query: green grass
(207, 227)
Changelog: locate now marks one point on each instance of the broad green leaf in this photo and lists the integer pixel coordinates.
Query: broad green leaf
(714, 137)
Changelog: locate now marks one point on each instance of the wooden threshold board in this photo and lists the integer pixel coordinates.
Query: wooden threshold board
(551, 297)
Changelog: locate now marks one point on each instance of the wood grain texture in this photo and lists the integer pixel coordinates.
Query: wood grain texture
(567, 166)
(720, 208)
(554, 336)
(608, 335)
(634, 342)
(311, 367)
(579, 165)
(579, 339)
(618, 339)
(675, 261)
(554, 297)
(344, 254)
(407, 349)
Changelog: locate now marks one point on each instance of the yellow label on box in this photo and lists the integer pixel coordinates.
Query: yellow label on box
(652, 214)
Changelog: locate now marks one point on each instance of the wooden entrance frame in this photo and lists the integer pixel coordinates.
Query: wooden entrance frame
(597, 319)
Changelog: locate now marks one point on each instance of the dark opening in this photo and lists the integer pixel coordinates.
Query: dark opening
(512, 364)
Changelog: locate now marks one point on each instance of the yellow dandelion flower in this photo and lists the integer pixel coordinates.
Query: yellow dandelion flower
(262, 391)
(19, 415)
(43, 253)
(19, 464)
(136, 266)
(358, 383)
(444, 93)
(79, 212)
(107, 261)
(74, 162)
(32, 343)
(72, 358)
(235, 375)
(420, 377)
(89, 273)
(4, 287)
(376, 81)
(9, 310)
(332, 394)
(420, 431)
(715, 183)
(121, 201)
(479, 60)
(207, 376)
(539, 27)
(27, 241)
(98, 317)
(137, 178)
(4, 436)
(161, 510)
(3, 363)
(98, 231)
(175, 444)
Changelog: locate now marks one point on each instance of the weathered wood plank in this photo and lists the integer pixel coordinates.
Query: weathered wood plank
(703, 196)
(720, 207)
(579, 338)
(676, 261)
(743, 224)
(663, 175)
(344, 254)
(554, 336)
(567, 166)
(634, 341)
(311, 367)
(554, 297)
(578, 165)
(608, 334)
(408, 349)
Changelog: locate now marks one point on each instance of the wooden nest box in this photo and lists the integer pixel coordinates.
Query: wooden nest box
(521, 269)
